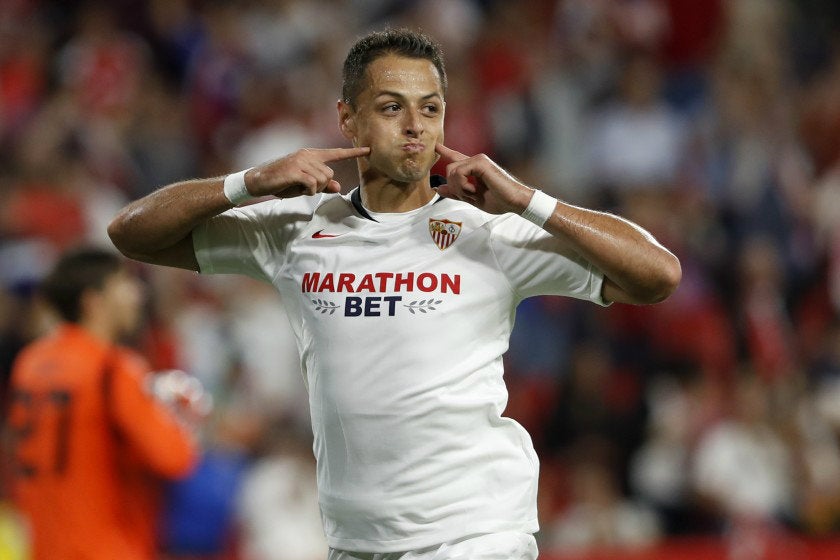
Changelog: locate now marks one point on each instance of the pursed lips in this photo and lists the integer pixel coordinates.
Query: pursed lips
(414, 147)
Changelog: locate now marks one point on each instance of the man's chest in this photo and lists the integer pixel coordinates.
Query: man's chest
(426, 268)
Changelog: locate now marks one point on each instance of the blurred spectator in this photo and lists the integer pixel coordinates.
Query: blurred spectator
(637, 140)
(659, 471)
(597, 403)
(766, 326)
(598, 517)
(503, 73)
(23, 76)
(160, 144)
(175, 33)
(102, 65)
(198, 514)
(215, 78)
(101, 72)
(826, 215)
(42, 207)
(693, 30)
(278, 511)
(742, 466)
(280, 33)
(267, 354)
(273, 125)
(813, 438)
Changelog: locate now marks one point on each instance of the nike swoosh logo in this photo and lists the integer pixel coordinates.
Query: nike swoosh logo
(319, 235)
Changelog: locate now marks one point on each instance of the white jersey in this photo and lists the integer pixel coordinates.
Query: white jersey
(401, 325)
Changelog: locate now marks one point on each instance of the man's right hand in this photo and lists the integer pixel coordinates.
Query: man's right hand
(304, 172)
(157, 228)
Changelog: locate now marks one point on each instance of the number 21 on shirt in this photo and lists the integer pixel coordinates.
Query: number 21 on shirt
(40, 429)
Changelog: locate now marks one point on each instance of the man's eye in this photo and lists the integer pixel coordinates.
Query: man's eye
(432, 108)
(391, 108)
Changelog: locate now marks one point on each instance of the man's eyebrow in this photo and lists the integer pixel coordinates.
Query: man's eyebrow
(401, 96)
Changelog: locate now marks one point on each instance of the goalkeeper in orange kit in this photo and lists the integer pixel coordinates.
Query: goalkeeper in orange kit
(91, 439)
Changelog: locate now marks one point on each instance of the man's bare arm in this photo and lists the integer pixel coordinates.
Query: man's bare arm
(636, 267)
(158, 228)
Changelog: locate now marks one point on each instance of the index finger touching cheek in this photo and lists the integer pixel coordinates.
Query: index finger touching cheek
(338, 154)
(449, 153)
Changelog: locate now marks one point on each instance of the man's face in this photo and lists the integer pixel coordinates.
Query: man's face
(400, 116)
(122, 294)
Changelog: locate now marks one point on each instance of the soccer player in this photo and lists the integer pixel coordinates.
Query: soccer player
(90, 441)
(402, 300)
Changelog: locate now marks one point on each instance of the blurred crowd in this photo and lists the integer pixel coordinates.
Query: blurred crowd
(714, 124)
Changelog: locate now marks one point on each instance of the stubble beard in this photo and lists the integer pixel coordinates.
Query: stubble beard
(412, 169)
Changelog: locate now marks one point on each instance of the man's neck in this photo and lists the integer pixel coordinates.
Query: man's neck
(99, 327)
(382, 194)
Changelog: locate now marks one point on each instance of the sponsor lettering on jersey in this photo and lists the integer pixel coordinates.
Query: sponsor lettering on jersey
(379, 282)
(444, 232)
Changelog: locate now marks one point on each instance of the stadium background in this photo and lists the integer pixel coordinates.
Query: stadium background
(706, 426)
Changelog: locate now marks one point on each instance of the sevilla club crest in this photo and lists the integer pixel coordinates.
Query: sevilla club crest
(444, 233)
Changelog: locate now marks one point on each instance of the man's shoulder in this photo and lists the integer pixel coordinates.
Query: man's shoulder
(297, 209)
(67, 352)
(59, 341)
(128, 360)
(29, 355)
(471, 216)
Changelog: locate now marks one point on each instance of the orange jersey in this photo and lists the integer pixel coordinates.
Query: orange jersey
(90, 445)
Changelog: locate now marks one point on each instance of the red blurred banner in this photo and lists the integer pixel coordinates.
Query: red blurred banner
(717, 549)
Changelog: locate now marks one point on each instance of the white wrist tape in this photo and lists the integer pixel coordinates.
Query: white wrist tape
(235, 190)
(540, 209)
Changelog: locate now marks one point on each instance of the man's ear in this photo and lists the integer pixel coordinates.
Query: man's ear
(347, 121)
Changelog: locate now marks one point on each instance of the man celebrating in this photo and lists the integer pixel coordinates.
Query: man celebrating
(402, 299)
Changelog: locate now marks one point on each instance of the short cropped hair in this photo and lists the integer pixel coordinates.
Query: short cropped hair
(400, 42)
(74, 273)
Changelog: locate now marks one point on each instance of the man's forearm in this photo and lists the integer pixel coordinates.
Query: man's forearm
(629, 256)
(636, 267)
(166, 217)
(157, 228)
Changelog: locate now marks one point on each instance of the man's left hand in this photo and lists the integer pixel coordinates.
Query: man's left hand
(479, 181)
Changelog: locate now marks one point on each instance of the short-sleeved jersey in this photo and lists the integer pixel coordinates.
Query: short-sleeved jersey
(401, 326)
(90, 445)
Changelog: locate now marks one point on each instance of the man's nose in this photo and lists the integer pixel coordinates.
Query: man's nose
(413, 123)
